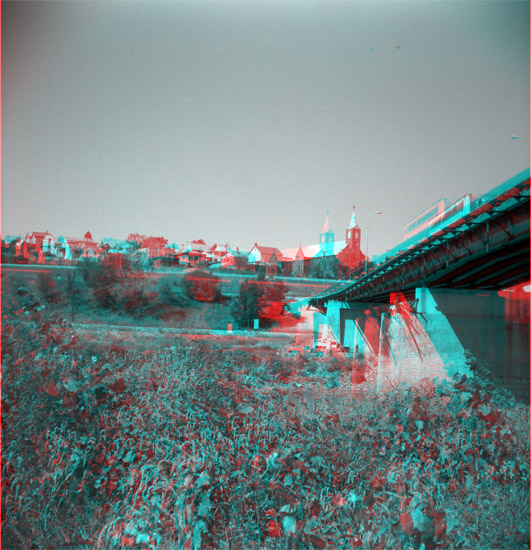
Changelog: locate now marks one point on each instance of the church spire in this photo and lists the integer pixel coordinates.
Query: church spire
(326, 226)
(326, 239)
(353, 223)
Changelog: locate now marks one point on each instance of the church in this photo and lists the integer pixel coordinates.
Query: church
(330, 259)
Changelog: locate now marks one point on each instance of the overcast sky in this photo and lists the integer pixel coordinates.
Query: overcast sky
(244, 122)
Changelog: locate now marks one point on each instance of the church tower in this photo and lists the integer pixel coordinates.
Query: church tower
(353, 232)
(326, 239)
(352, 256)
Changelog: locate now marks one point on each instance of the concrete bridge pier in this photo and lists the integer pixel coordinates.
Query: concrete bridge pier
(430, 337)
(327, 327)
(353, 325)
(416, 343)
(433, 339)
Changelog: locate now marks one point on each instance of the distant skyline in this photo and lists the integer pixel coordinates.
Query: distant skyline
(245, 122)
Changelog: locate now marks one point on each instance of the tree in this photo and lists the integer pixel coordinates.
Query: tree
(272, 301)
(246, 306)
(135, 238)
(274, 291)
(176, 297)
(106, 279)
(77, 253)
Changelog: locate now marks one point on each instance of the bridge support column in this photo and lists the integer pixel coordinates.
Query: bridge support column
(319, 324)
(327, 328)
(430, 339)
(353, 325)
(360, 330)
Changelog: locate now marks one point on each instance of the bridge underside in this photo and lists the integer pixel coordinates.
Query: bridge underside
(498, 268)
(488, 250)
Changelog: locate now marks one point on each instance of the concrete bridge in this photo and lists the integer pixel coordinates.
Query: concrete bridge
(424, 307)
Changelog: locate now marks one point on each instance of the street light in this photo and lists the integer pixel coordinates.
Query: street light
(367, 247)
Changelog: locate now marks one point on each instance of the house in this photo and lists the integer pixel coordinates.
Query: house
(234, 258)
(286, 266)
(86, 247)
(265, 257)
(302, 262)
(42, 241)
(33, 252)
(193, 253)
(110, 245)
(62, 248)
(193, 258)
(170, 257)
(216, 252)
(12, 245)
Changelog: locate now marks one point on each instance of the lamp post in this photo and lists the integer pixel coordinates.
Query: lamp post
(367, 247)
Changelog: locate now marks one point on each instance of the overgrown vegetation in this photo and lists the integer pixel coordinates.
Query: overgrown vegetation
(104, 292)
(258, 300)
(197, 446)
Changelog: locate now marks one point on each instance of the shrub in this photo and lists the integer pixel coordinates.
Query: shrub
(203, 286)
(50, 291)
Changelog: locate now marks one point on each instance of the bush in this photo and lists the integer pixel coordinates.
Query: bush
(50, 291)
(170, 295)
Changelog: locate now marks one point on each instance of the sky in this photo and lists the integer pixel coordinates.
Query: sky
(244, 122)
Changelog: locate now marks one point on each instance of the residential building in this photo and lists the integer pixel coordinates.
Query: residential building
(216, 252)
(234, 258)
(265, 257)
(43, 241)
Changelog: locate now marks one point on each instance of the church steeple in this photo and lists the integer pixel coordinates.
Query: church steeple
(326, 239)
(353, 231)
(326, 226)
(353, 223)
